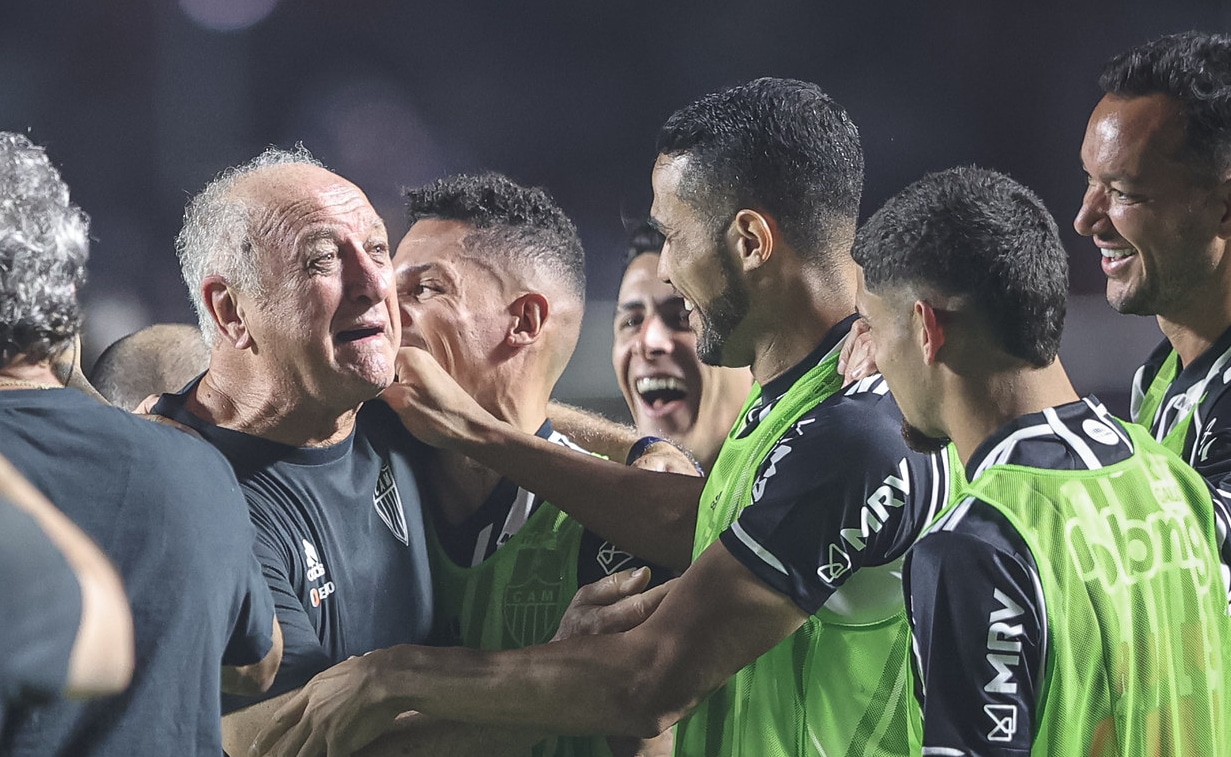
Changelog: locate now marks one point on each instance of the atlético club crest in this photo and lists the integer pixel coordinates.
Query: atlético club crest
(388, 503)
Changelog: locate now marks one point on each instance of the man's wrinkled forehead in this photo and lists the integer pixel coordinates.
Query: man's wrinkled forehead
(294, 200)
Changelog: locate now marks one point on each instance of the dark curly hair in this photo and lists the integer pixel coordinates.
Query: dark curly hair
(43, 248)
(643, 238)
(1194, 68)
(780, 146)
(521, 223)
(974, 232)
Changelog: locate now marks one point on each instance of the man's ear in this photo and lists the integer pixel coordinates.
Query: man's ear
(753, 235)
(227, 312)
(930, 331)
(529, 313)
(1224, 196)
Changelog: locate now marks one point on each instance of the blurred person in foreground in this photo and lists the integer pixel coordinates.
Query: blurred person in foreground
(164, 507)
(67, 629)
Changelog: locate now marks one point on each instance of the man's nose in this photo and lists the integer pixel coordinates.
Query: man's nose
(1091, 217)
(656, 336)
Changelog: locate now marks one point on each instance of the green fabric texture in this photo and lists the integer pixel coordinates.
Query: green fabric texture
(515, 598)
(1175, 438)
(1139, 637)
(828, 689)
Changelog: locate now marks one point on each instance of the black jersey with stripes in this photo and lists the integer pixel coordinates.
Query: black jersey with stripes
(508, 508)
(839, 493)
(971, 581)
(1199, 388)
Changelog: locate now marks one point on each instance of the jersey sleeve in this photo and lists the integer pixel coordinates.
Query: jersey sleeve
(1212, 453)
(839, 492)
(979, 634)
(41, 606)
(598, 558)
(254, 616)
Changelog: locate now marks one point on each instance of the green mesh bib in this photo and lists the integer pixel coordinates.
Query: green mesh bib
(1146, 413)
(515, 598)
(828, 689)
(1139, 652)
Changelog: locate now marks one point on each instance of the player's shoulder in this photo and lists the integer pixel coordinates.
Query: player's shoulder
(971, 527)
(157, 440)
(857, 419)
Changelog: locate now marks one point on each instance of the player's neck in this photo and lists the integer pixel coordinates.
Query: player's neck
(518, 398)
(258, 410)
(984, 404)
(793, 337)
(460, 485)
(23, 374)
(1195, 324)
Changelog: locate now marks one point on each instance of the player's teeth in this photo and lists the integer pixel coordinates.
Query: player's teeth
(1116, 254)
(659, 384)
(688, 304)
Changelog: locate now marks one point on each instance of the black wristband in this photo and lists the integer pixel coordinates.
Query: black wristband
(644, 443)
(640, 446)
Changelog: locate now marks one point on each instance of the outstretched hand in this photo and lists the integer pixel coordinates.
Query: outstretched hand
(432, 406)
(611, 605)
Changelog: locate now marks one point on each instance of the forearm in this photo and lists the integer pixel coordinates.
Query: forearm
(418, 734)
(593, 432)
(595, 687)
(651, 514)
(240, 728)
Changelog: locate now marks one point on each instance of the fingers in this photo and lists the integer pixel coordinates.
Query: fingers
(630, 612)
(612, 588)
(281, 725)
(146, 405)
(858, 358)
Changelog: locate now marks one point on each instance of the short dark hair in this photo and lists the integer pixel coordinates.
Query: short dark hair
(976, 233)
(1194, 68)
(159, 358)
(643, 238)
(780, 146)
(520, 223)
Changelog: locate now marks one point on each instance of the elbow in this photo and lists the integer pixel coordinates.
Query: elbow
(255, 679)
(248, 680)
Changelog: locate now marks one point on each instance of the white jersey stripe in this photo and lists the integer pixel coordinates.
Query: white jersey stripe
(1075, 442)
(757, 549)
(1004, 449)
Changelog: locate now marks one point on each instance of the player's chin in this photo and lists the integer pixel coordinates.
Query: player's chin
(920, 441)
(372, 375)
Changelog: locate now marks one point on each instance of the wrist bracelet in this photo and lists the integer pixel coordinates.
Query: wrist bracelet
(644, 443)
(641, 445)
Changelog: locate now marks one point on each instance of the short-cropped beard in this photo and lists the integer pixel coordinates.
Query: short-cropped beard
(921, 442)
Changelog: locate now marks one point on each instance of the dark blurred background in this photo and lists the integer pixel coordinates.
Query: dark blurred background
(142, 101)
